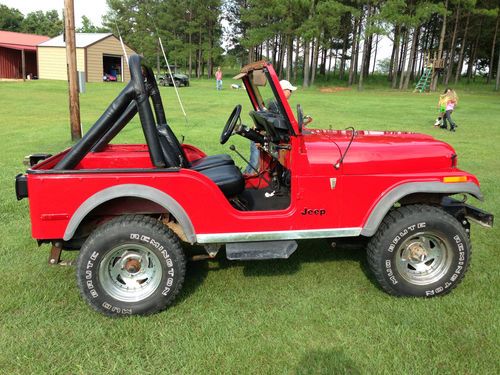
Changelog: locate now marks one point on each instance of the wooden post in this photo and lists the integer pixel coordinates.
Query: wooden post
(23, 64)
(74, 101)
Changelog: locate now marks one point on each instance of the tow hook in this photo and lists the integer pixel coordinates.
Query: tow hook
(55, 256)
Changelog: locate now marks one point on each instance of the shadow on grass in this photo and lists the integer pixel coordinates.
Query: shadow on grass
(326, 362)
(196, 273)
(308, 251)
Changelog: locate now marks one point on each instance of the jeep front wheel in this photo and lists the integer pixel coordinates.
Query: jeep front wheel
(419, 251)
(132, 265)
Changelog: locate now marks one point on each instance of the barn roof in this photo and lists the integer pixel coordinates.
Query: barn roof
(82, 40)
(21, 41)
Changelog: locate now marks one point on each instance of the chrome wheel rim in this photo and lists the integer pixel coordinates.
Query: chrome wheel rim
(130, 272)
(424, 258)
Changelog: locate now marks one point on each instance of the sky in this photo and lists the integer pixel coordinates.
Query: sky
(93, 9)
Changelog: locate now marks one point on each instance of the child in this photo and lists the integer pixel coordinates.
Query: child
(442, 108)
(218, 79)
(451, 102)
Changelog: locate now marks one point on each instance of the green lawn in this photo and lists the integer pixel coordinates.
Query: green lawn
(320, 312)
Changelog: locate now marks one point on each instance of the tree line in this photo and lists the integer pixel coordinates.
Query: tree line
(306, 40)
(341, 38)
(41, 23)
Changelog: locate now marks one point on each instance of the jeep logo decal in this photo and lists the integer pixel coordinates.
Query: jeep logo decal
(313, 211)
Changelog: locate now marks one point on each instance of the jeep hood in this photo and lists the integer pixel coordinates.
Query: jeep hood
(378, 152)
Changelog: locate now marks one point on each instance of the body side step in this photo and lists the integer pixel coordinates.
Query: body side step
(260, 250)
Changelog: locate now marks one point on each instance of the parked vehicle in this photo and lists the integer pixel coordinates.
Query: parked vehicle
(127, 208)
(108, 78)
(178, 79)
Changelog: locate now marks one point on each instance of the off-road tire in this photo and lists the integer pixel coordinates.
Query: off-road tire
(132, 265)
(419, 250)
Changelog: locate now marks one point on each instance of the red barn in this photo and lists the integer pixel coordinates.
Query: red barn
(18, 54)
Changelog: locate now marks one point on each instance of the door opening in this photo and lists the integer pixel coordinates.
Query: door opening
(112, 68)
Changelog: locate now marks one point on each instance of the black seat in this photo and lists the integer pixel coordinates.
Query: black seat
(219, 168)
(211, 161)
(228, 178)
(180, 160)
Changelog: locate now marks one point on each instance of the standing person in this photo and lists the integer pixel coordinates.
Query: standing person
(441, 108)
(218, 79)
(451, 102)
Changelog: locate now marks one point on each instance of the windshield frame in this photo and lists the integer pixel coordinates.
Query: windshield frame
(246, 74)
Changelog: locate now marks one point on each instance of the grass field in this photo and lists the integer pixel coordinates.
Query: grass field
(320, 312)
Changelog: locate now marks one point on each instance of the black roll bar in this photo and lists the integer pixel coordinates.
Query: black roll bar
(145, 113)
(107, 119)
(123, 120)
(133, 98)
(154, 92)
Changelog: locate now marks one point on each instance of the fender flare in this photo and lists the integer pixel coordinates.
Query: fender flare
(394, 195)
(131, 190)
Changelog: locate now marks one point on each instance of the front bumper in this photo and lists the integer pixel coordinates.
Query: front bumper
(462, 209)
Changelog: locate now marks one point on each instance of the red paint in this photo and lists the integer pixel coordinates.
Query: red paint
(21, 40)
(347, 205)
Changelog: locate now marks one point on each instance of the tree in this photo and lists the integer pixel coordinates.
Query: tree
(89, 27)
(452, 46)
(10, 18)
(441, 46)
(417, 13)
(392, 13)
(383, 66)
(366, 46)
(497, 83)
(190, 30)
(41, 23)
(303, 37)
(462, 49)
(494, 42)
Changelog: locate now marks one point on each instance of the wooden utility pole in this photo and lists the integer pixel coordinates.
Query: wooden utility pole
(74, 101)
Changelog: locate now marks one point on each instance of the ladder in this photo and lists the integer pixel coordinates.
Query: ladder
(424, 81)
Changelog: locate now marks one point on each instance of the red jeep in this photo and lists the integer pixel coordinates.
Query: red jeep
(127, 207)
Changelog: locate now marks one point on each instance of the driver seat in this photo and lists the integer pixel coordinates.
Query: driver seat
(166, 135)
(218, 168)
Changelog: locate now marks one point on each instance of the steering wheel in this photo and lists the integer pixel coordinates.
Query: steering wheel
(300, 117)
(230, 124)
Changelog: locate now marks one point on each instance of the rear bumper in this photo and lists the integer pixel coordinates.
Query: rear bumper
(461, 209)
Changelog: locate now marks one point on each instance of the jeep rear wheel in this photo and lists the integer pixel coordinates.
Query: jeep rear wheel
(419, 251)
(132, 265)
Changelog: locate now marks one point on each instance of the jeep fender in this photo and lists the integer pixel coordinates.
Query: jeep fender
(131, 190)
(394, 195)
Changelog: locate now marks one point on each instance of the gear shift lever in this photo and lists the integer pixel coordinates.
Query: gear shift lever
(233, 148)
